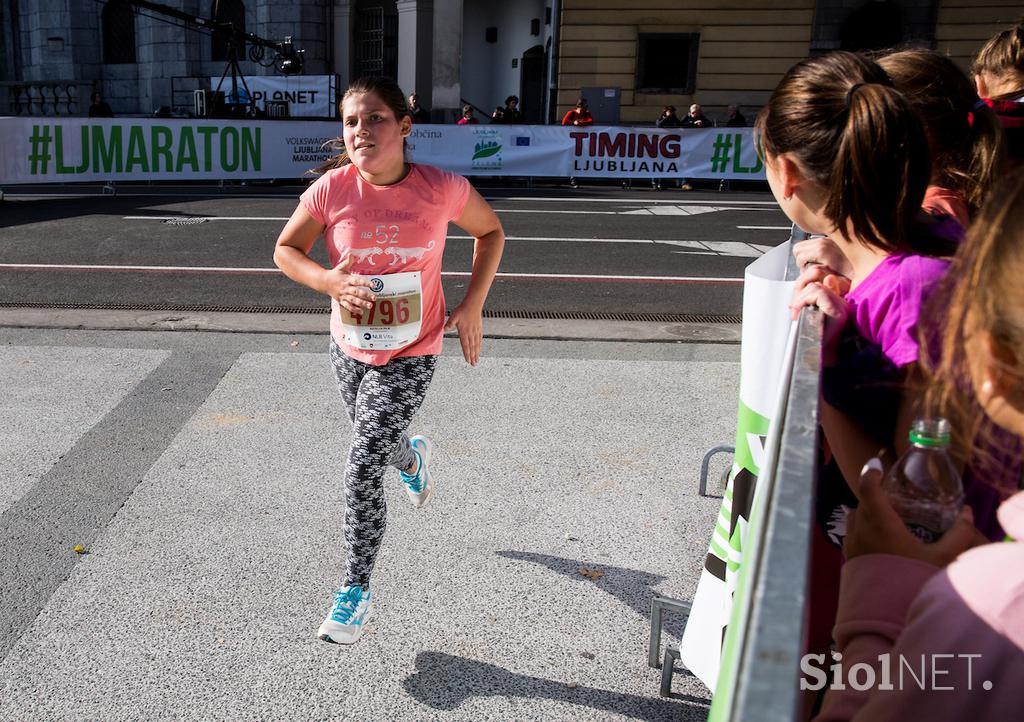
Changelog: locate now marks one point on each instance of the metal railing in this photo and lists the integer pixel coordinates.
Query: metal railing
(769, 624)
(775, 607)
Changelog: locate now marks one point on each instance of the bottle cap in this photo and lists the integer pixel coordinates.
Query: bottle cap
(930, 432)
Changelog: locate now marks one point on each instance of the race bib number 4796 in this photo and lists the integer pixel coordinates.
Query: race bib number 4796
(393, 321)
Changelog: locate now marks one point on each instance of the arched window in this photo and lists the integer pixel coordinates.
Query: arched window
(227, 11)
(118, 20)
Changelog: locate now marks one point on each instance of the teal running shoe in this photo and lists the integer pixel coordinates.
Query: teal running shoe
(421, 485)
(348, 617)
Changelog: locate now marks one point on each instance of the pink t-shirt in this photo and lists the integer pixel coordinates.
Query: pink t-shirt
(396, 228)
(943, 201)
(887, 304)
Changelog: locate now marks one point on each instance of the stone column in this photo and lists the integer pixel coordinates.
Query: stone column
(415, 25)
(344, 20)
(447, 81)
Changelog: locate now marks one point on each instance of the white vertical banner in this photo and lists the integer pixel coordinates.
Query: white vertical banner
(766, 331)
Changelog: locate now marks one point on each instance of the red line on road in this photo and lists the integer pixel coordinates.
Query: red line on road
(228, 271)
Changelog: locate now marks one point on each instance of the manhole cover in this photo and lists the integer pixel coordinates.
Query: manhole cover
(184, 221)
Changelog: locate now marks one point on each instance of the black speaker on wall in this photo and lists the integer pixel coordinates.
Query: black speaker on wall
(535, 26)
(491, 35)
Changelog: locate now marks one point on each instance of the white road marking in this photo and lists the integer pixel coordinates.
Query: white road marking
(629, 201)
(276, 271)
(765, 228)
(205, 218)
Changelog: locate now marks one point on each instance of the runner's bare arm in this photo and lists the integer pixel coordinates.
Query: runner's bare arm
(479, 220)
(291, 254)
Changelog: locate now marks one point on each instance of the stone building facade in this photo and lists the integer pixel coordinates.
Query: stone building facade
(54, 53)
(638, 55)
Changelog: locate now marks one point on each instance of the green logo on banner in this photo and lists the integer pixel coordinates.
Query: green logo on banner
(152, 149)
(729, 146)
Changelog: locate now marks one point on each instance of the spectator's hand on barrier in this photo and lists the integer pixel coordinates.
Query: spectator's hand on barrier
(470, 324)
(817, 287)
(822, 252)
(876, 528)
(348, 289)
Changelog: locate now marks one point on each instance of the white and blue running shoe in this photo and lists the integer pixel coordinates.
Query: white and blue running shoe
(419, 486)
(348, 617)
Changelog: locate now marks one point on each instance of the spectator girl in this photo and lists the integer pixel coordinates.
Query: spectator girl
(964, 137)
(965, 143)
(846, 157)
(999, 75)
(384, 222)
(898, 596)
(579, 115)
(467, 116)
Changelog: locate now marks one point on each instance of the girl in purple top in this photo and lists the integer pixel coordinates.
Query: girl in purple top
(847, 157)
(956, 606)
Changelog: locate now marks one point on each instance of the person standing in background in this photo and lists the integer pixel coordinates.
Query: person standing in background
(579, 115)
(735, 118)
(98, 107)
(511, 113)
(696, 118)
(417, 112)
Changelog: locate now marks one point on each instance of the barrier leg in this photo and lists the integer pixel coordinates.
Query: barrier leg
(110, 188)
(706, 463)
(658, 605)
(667, 670)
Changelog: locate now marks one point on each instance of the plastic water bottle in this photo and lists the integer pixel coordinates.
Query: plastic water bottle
(924, 485)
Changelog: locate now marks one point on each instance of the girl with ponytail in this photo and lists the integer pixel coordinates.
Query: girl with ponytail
(846, 156)
(965, 139)
(999, 76)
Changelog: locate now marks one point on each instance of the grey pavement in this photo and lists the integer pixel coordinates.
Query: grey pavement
(200, 471)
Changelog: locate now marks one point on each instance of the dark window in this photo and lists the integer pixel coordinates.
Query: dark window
(667, 63)
(227, 11)
(118, 20)
(376, 41)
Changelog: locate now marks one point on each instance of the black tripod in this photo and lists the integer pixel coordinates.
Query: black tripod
(238, 107)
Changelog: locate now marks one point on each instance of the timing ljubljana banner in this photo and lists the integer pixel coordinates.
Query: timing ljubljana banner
(65, 150)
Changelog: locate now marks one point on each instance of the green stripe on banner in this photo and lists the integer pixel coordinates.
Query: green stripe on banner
(749, 423)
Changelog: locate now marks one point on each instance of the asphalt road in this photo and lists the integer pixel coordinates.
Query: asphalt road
(592, 250)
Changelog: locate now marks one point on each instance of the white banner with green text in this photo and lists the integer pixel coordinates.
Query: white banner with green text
(64, 150)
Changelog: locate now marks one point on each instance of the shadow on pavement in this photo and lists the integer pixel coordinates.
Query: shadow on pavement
(444, 681)
(633, 588)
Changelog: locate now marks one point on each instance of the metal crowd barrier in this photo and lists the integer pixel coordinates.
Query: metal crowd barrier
(774, 610)
(772, 600)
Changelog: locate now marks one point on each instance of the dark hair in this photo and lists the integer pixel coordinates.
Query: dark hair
(1003, 57)
(965, 138)
(984, 285)
(581, 101)
(95, 94)
(510, 98)
(858, 138)
(467, 109)
(390, 94)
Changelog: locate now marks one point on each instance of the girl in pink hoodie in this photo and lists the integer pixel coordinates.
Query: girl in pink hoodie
(936, 631)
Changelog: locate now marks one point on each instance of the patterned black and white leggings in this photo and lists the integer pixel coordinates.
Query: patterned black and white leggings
(381, 401)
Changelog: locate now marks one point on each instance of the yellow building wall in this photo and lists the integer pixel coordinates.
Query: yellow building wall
(963, 26)
(745, 47)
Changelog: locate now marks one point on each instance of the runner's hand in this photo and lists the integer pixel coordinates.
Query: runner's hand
(470, 324)
(348, 289)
